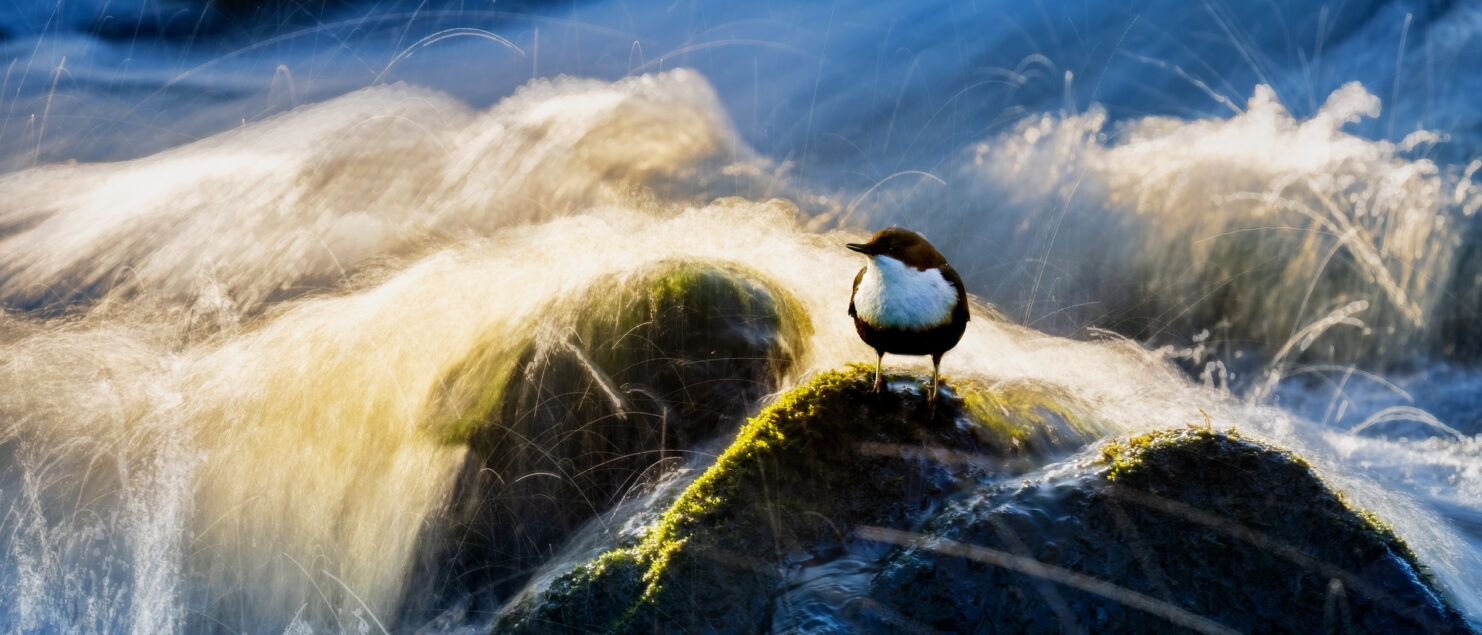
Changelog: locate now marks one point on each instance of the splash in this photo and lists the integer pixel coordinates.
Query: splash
(306, 442)
(296, 203)
(235, 425)
(1257, 226)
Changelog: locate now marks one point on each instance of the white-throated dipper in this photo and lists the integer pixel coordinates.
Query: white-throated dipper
(907, 300)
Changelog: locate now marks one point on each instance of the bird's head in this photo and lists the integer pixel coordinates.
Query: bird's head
(903, 245)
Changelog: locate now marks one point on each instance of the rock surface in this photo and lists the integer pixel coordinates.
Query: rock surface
(558, 432)
(761, 533)
(840, 511)
(1216, 531)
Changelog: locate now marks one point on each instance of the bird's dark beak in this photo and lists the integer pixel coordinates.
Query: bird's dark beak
(861, 248)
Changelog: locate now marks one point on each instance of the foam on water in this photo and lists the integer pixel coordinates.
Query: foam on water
(293, 203)
(237, 425)
(1257, 226)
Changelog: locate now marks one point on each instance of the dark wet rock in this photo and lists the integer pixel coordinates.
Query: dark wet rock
(560, 430)
(1227, 532)
(768, 536)
(839, 511)
(1459, 309)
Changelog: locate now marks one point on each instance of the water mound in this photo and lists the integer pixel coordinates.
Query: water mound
(654, 363)
(1194, 528)
(770, 533)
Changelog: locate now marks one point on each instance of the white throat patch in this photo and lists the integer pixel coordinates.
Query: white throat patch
(892, 294)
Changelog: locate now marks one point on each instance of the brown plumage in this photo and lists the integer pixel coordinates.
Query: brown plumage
(912, 302)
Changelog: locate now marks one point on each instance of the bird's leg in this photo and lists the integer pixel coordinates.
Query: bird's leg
(879, 360)
(936, 362)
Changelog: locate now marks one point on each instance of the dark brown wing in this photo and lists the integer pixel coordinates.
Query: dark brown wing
(960, 311)
(857, 277)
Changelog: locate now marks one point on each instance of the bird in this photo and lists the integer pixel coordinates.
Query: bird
(907, 300)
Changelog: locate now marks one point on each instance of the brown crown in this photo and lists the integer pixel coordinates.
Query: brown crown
(904, 245)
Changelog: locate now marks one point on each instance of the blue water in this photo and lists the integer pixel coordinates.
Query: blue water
(1277, 200)
(849, 93)
(871, 105)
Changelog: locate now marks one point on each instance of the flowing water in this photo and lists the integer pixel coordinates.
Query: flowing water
(240, 248)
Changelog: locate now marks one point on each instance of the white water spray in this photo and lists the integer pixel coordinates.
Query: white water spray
(273, 470)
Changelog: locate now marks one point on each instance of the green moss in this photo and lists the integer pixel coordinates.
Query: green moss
(638, 368)
(1132, 457)
(626, 321)
(1165, 451)
(1227, 528)
(484, 375)
(613, 591)
(1206, 519)
(824, 458)
(713, 490)
(1124, 456)
(1021, 418)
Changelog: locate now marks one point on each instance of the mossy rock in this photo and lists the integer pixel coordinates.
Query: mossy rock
(789, 495)
(1233, 532)
(561, 427)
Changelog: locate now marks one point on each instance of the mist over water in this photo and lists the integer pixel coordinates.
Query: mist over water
(313, 194)
(1259, 226)
(238, 258)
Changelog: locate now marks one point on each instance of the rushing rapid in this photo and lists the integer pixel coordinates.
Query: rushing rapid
(239, 258)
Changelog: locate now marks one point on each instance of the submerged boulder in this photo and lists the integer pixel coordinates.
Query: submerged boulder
(645, 365)
(1170, 531)
(760, 539)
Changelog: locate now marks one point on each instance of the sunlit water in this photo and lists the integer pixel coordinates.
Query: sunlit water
(225, 323)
